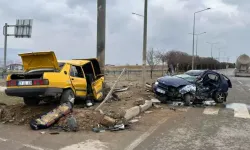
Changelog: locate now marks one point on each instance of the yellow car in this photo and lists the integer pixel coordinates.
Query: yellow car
(45, 78)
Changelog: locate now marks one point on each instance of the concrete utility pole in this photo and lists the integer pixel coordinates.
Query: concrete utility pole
(144, 53)
(5, 46)
(101, 28)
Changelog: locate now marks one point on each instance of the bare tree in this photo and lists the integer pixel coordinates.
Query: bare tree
(152, 60)
(162, 56)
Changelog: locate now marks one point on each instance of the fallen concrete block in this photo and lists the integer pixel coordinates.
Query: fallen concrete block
(139, 102)
(155, 101)
(132, 112)
(108, 121)
(146, 106)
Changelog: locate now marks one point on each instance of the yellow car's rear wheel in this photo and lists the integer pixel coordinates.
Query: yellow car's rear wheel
(67, 96)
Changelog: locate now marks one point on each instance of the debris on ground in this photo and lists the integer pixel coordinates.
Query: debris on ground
(133, 121)
(42, 132)
(148, 112)
(50, 118)
(155, 101)
(171, 108)
(139, 102)
(156, 105)
(108, 121)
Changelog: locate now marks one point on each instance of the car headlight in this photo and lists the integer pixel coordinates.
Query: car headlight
(156, 83)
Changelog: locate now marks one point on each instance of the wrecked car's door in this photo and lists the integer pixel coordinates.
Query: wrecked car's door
(78, 81)
(97, 85)
(228, 80)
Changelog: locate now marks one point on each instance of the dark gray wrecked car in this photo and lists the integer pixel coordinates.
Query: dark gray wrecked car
(192, 89)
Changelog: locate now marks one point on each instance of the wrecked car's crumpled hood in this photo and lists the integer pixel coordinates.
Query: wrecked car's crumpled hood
(173, 81)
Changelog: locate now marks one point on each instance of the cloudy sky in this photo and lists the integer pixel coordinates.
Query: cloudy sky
(68, 27)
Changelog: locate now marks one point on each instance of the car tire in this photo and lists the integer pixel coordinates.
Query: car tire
(67, 96)
(219, 97)
(31, 101)
(187, 99)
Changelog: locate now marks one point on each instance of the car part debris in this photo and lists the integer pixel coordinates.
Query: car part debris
(111, 91)
(117, 127)
(48, 119)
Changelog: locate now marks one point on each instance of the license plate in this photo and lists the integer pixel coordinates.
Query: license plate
(160, 91)
(25, 83)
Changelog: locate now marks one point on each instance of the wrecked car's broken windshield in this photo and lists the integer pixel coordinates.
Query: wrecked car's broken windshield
(186, 77)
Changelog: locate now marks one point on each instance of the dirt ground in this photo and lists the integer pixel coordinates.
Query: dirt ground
(15, 112)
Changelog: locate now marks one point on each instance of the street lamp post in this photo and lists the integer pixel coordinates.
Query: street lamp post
(197, 35)
(144, 51)
(193, 35)
(212, 44)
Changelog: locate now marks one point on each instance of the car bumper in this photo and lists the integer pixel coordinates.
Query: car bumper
(33, 92)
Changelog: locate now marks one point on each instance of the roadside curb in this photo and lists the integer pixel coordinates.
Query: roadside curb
(136, 110)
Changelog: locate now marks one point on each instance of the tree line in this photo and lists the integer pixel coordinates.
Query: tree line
(181, 61)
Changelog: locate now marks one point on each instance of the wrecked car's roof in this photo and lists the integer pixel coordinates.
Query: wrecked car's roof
(75, 62)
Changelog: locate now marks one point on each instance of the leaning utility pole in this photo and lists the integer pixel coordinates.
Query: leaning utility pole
(144, 53)
(101, 27)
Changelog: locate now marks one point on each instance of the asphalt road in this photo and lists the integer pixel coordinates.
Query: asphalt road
(220, 127)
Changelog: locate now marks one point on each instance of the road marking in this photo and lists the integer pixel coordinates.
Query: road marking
(25, 145)
(88, 145)
(240, 82)
(33, 147)
(240, 110)
(145, 135)
(4, 140)
(211, 110)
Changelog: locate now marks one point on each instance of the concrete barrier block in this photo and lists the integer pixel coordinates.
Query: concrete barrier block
(146, 106)
(132, 112)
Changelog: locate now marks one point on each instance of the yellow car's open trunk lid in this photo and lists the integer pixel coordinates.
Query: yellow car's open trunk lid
(39, 60)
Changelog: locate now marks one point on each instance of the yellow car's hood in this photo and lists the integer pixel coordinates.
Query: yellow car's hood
(39, 60)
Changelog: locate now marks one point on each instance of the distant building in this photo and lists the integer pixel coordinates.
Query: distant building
(15, 67)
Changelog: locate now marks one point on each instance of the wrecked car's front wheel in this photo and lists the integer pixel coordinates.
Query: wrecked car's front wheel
(219, 97)
(31, 101)
(67, 96)
(188, 98)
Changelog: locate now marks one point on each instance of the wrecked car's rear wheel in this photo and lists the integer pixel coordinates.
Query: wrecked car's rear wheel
(67, 96)
(31, 101)
(219, 97)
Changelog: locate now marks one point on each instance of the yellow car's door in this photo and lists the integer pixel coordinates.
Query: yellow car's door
(78, 81)
(97, 87)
